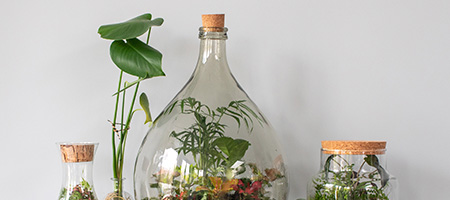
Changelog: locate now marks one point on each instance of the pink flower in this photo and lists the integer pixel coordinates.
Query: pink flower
(254, 187)
(249, 189)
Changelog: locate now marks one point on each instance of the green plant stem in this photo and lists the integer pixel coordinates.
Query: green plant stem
(122, 129)
(148, 36)
(123, 111)
(113, 132)
(355, 183)
(123, 139)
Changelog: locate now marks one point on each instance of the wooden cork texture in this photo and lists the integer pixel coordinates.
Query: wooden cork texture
(71, 153)
(213, 22)
(354, 147)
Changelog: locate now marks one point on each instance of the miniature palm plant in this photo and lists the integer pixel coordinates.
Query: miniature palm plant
(205, 139)
(217, 158)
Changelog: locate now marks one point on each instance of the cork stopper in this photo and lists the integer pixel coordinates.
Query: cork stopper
(354, 147)
(71, 153)
(213, 22)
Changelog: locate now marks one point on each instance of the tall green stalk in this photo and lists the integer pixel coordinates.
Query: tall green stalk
(123, 140)
(135, 58)
(118, 154)
(114, 129)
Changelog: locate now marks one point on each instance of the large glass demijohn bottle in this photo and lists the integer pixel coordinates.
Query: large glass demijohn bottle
(211, 141)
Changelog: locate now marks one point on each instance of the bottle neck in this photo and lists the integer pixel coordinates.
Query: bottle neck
(118, 185)
(212, 54)
(77, 172)
(212, 50)
(212, 74)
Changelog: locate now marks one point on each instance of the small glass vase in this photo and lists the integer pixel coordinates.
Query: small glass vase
(353, 170)
(118, 194)
(77, 163)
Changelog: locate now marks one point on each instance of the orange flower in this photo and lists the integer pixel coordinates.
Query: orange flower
(220, 187)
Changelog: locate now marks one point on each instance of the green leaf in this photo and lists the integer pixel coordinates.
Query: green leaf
(143, 100)
(63, 193)
(157, 22)
(373, 161)
(129, 29)
(136, 58)
(76, 195)
(326, 167)
(234, 148)
(85, 185)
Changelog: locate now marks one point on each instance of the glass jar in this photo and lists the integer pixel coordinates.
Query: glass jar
(211, 141)
(118, 194)
(353, 170)
(77, 162)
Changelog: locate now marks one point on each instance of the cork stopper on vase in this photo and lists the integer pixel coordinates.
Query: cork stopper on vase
(351, 147)
(71, 153)
(213, 22)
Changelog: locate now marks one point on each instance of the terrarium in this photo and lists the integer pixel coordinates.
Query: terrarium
(211, 141)
(353, 170)
(77, 162)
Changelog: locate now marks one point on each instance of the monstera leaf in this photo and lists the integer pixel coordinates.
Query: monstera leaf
(136, 58)
(234, 149)
(129, 29)
(373, 161)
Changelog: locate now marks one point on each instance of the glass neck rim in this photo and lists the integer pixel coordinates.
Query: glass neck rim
(118, 179)
(77, 143)
(216, 33)
(353, 152)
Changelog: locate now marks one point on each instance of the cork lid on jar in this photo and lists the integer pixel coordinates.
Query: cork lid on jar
(213, 22)
(352, 147)
(77, 152)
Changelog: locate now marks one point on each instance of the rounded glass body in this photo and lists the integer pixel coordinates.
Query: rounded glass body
(211, 141)
(353, 175)
(77, 163)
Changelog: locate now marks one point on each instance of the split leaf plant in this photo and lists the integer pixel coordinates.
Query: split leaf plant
(139, 60)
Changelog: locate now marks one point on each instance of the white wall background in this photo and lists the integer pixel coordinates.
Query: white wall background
(319, 70)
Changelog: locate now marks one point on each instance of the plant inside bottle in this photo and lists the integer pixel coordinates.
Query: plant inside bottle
(77, 161)
(218, 158)
(211, 141)
(82, 191)
(350, 182)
